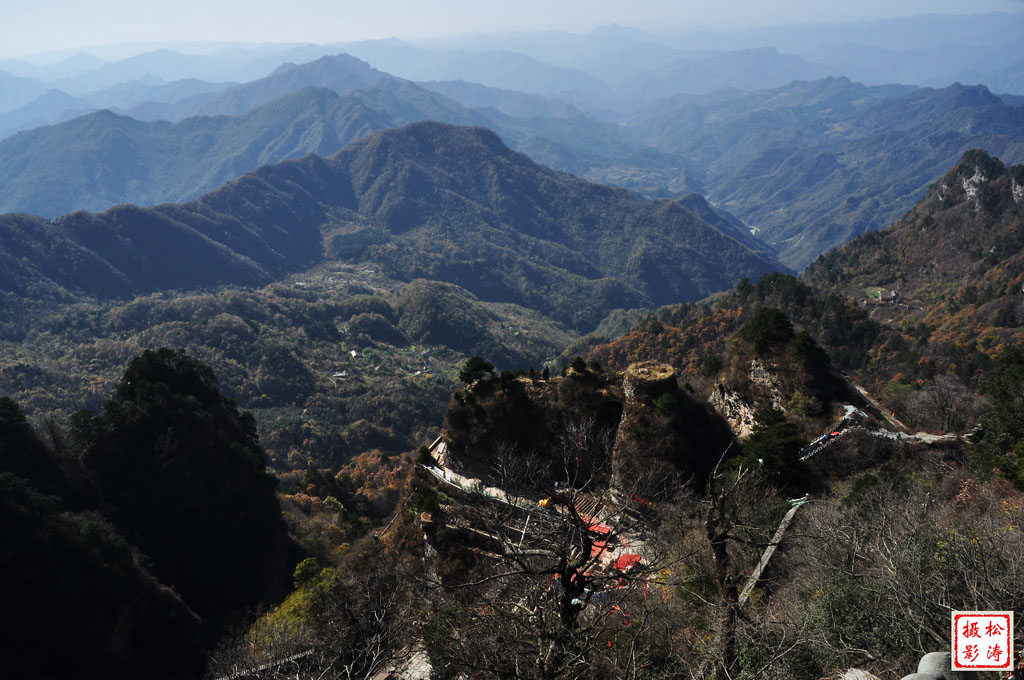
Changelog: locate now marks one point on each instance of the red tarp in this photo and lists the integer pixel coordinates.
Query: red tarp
(595, 526)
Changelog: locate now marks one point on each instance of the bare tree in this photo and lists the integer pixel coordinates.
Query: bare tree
(360, 625)
(263, 653)
(739, 513)
(888, 565)
(945, 404)
(564, 590)
(547, 602)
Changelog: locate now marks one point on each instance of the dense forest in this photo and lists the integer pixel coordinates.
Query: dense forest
(425, 201)
(152, 527)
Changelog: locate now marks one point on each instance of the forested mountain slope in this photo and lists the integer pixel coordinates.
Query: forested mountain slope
(429, 200)
(103, 159)
(106, 576)
(920, 312)
(807, 166)
(952, 269)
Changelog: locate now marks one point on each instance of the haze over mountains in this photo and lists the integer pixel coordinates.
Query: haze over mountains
(933, 50)
(812, 165)
(735, 153)
(772, 124)
(160, 161)
(807, 166)
(926, 50)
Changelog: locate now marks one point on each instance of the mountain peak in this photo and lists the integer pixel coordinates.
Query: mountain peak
(437, 128)
(433, 138)
(955, 260)
(429, 200)
(968, 179)
(972, 96)
(978, 162)
(341, 58)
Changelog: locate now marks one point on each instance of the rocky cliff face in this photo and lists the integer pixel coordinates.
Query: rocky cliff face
(640, 455)
(765, 390)
(651, 431)
(665, 436)
(733, 408)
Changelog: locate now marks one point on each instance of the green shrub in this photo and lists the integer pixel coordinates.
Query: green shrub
(767, 328)
(667, 404)
(475, 368)
(711, 366)
(774, 445)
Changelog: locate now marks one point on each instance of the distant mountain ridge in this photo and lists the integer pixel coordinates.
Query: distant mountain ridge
(509, 102)
(502, 69)
(750, 69)
(104, 159)
(932, 50)
(813, 165)
(428, 200)
(56, 106)
(16, 91)
(340, 73)
(807, 166)
(53, 106)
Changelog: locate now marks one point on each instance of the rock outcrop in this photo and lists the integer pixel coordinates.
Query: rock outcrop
(936, 666)
(731, 406)
(664, 435)
(648, 380)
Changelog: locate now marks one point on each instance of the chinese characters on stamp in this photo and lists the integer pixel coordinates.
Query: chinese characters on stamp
(982, 640)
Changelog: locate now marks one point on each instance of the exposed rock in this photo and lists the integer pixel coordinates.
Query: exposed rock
(736, 410)
(648, 380)
(937, 666)
(972, 183)
(858, 674)
(936, 662)
(759, 375)
(633, 456)
(731, 406)
(663, 434)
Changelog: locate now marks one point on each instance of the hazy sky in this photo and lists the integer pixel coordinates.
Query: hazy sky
(34, 26)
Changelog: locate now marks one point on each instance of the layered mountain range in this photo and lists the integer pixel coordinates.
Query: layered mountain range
(806, 166)
(812, 165)
(104, 159)
(428, 200)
